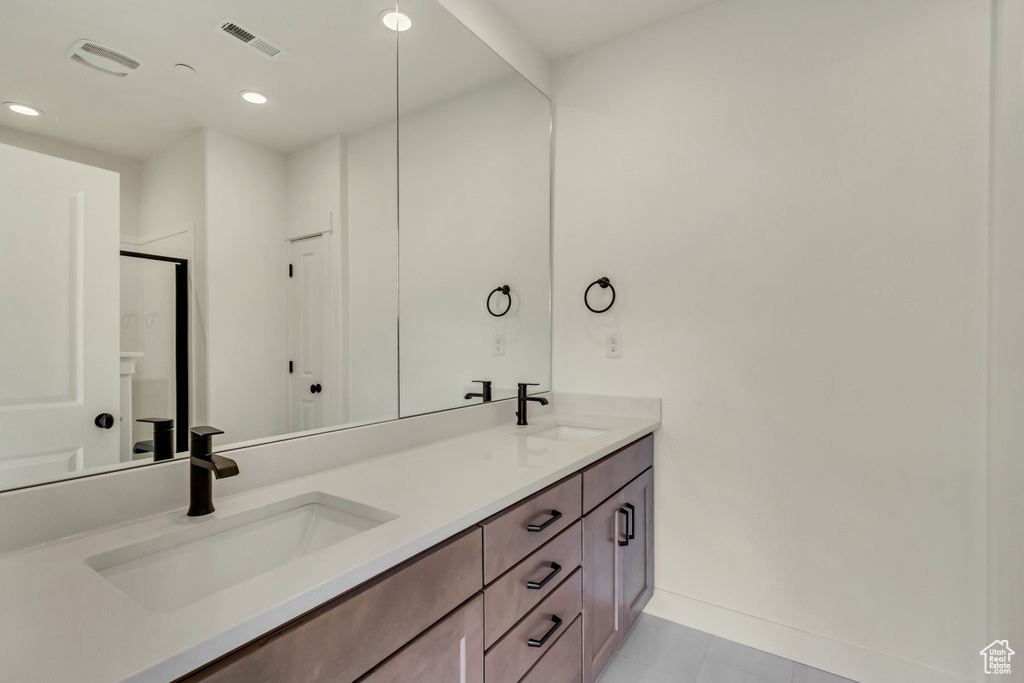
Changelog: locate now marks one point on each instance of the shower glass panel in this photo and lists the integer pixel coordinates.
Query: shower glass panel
(154, 371)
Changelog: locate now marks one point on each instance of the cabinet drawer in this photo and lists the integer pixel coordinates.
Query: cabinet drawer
(510, 597)
(607, 476)
(513, 656)
(342, 640)
(508, 537)
(563, 663)
(451, 650)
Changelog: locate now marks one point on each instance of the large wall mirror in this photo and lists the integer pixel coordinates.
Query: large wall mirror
(273, 218)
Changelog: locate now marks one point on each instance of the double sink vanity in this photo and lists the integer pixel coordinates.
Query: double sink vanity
(375, 517)
(477, 554)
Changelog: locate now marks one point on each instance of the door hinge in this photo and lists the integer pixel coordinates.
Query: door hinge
(291, 367)
(289, 270)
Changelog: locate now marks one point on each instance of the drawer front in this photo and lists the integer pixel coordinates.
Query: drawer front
(525, 585)
(507, 536)
(451, 650)
(604, 478)
(512, 656)
(563, 663)
(342, 640)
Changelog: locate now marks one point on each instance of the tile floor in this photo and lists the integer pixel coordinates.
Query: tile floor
(660, 651)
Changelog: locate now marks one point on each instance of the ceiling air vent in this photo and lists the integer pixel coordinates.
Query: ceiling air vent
(252, 39)
(102, 58)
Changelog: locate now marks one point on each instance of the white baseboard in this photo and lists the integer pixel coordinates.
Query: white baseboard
(843, 659)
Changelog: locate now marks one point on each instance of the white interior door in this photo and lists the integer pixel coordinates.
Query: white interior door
(59, 363)
(309, 331)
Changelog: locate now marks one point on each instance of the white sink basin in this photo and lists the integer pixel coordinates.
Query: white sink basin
(181, 567)
(564, 431)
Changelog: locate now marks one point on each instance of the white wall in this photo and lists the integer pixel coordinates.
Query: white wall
(503, 36)
(474, 215)
(372, 282)
(1006, 365)
(246, 209)
(791, 199)
(173, 199)
(128, 169)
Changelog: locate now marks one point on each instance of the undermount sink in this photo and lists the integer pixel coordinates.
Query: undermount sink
(179, 568)
(564, 431)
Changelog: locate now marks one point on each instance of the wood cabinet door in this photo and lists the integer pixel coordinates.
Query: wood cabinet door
(638, 556)
(603, 628)
(451, 651)
(342, 640)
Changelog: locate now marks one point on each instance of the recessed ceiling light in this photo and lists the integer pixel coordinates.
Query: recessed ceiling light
(396, 20)
(254, 97)
(23, 109)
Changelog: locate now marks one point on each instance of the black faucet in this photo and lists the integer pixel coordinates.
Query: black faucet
(163, 437)
(202, 464)
(524, 399)
(485, 393)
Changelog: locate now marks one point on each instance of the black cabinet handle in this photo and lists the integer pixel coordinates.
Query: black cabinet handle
(315, 388)
(533, 642)
(632, 521)
(104, 421)
(555, 516)
(537, 585)
(624, 511)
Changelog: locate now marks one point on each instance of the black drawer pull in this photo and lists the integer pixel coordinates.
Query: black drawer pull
(533, 642)
(537, 585)
(624, 511)
(632, 521)
(555, 516)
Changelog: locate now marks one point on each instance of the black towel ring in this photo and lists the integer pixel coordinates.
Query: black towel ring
(604, 283)
(504, 289)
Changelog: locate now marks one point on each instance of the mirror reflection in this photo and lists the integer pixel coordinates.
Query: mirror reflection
(474, 216)
(201, 224)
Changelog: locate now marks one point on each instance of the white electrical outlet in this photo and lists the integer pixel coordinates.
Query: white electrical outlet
(498, 346)
(613, 345)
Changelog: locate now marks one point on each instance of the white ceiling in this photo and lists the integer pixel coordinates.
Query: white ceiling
(564, 27)
(339, 75)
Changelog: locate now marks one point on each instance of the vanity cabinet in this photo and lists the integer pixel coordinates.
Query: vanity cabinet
(618, 554)
(344, 639)
(451, 650)
(562, 663)
(542, 592)
(533, 555)
(638, 556)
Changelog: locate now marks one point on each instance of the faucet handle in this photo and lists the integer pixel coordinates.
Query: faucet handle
(159, 423)
(485, 382)
(529, 384)
(200, 432)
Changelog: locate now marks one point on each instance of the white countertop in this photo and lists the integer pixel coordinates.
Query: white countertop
(61, 621)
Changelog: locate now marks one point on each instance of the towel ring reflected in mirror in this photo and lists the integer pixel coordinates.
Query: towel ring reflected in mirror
(604, 283)
(504, 289)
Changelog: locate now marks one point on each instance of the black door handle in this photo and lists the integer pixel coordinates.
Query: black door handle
(104, 420)
(537, 585)
(533, 642)
(315, 388)
(555, 516)
(632, 521)
(624, 511)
